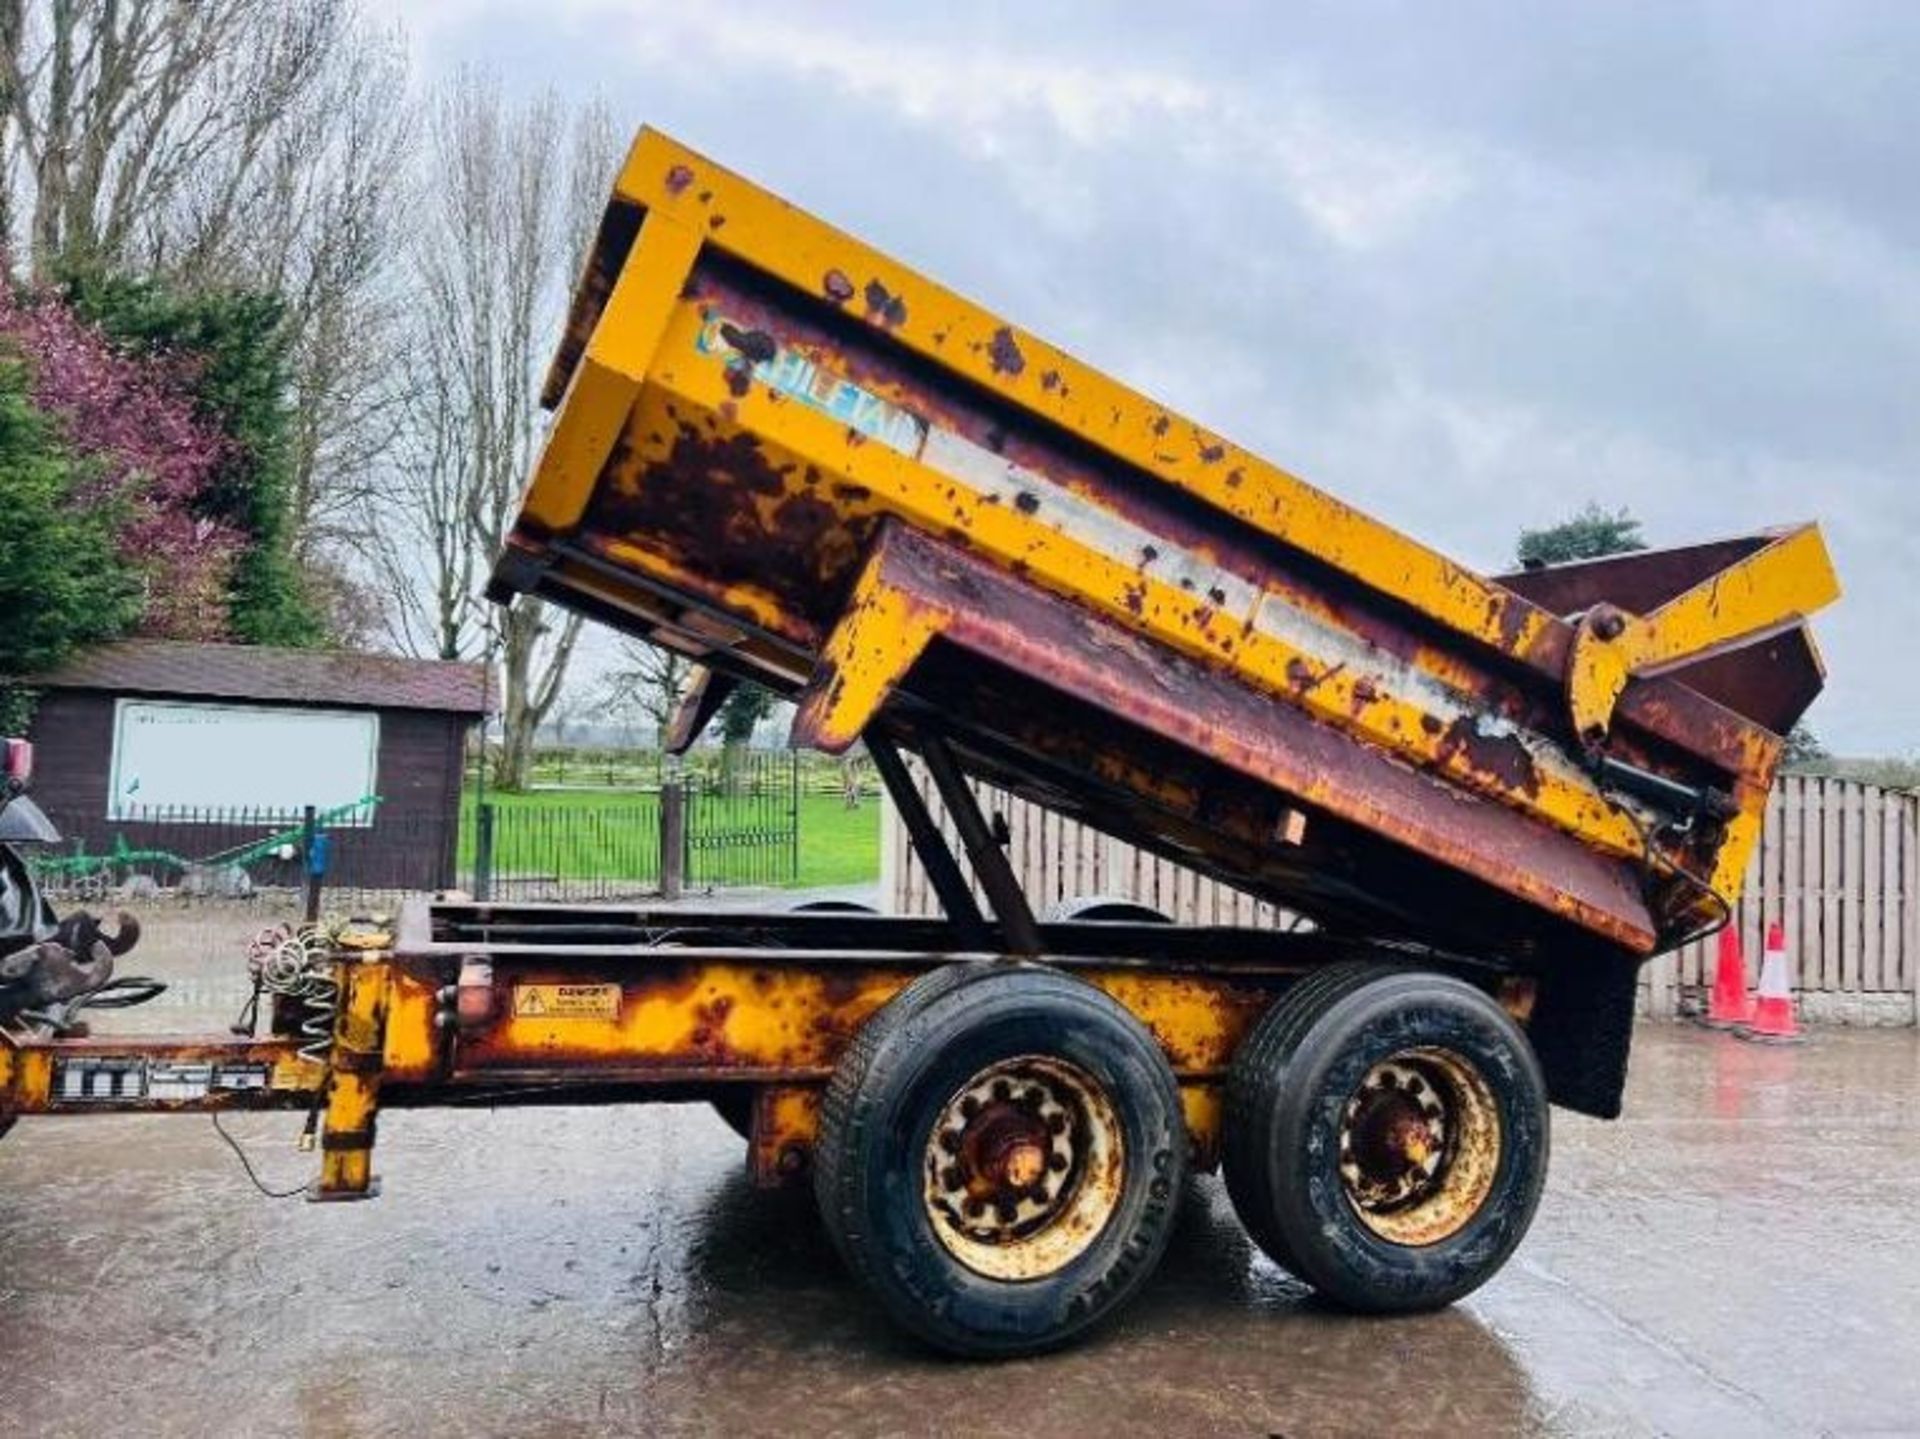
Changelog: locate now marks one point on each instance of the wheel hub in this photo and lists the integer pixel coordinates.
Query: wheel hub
(1394, 1139)
(1024, 1167)
(1008, 1145)
(1419, 1145)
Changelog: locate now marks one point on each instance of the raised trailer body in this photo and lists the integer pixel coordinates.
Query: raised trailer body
(795, 460)
(791, 457)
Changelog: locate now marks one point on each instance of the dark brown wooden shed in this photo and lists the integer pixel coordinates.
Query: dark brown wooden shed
(198, 749)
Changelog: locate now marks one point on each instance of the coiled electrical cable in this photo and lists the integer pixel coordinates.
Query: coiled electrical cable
(297, 964)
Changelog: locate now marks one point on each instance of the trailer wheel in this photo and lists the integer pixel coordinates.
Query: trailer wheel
(1386, 1136)
(832, 906)
(1000, 1154)
(1103, 908)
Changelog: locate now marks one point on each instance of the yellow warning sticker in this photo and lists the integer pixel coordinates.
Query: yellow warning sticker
(566, 1001)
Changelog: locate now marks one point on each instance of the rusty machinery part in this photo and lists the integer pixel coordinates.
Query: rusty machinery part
(1784, 579)
(1386, 1136)
(1041, 1126)
(62, 1018)
(363, 933)
(1102, 909)
(1023, 1167)
(734, 1104)
(46, 985)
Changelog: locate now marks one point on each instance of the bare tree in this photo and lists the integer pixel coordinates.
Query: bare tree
(510, 197)
(327, 235)
(651, 679)
(134, 118)
(421, 547)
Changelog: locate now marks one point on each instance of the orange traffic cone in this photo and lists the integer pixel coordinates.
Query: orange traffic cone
(1773, 1018)
(1730, 1005)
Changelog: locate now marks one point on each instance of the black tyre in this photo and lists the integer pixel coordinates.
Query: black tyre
(735, 1106)
(1000, 1154)
(1386, 1136)
(1103, 908)
(832, 906)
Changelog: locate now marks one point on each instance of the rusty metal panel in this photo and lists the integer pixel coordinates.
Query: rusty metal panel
(674, 1019)
(1131, 683)
(1771, 680)
(152, 1073)
(778, 1019)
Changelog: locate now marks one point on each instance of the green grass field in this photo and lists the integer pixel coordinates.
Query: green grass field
(613, 834)
(838, 845)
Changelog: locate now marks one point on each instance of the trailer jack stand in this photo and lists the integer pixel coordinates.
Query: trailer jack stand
(353, 1090)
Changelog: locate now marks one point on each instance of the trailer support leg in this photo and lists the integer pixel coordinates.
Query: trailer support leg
(353, 1089)
(989, 861)
(936, 857)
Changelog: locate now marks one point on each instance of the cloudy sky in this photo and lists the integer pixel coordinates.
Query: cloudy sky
(1462, 265)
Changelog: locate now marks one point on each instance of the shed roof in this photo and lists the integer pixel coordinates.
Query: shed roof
(257, 672)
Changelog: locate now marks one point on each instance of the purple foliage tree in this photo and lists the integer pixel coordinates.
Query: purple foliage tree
(133, 422)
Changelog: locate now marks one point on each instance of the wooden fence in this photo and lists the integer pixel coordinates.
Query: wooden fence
(1838, 867)
(1839, 870)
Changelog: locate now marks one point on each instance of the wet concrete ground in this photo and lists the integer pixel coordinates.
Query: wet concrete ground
(1739, 1256)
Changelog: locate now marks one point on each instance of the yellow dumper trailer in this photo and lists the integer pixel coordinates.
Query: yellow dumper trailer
(803, 464)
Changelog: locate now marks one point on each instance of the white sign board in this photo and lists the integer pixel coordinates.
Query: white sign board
(174, 755)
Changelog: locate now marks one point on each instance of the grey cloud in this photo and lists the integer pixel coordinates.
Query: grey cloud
(1465, 267)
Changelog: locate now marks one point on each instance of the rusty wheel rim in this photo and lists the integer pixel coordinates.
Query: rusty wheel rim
(1420, 1142)
(1024, 1167)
